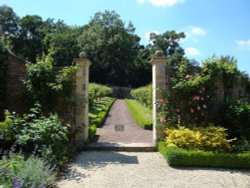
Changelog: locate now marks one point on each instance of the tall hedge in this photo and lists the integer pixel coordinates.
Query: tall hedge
(143, 95)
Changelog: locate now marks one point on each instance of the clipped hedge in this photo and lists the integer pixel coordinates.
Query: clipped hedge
(143, 95)
(142, 115)
(182, 157)
(98, 113)
(98, 91)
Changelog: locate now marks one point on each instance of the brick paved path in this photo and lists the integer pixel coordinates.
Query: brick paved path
(119, 115)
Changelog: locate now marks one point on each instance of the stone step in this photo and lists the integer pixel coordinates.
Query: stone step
(131, 147)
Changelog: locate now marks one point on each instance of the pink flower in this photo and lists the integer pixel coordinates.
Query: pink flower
(188, 77)
(202, 98)
(200, 91)
(203, 89)
(162, 120)
(208, 96)
(177, 110)
(196, 98)
(204, 106)
(199, 108)
(162, 101)
(191, 110)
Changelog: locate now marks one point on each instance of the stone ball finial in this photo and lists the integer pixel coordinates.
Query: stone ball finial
(159, 53)
(83, 55)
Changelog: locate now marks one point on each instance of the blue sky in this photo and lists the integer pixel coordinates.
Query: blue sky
(220, 27)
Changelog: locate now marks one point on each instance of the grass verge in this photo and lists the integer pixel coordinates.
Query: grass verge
(142, 115)
(182, 157)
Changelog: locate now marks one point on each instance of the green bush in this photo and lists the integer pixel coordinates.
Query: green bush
(210, 138)
(182, 157)
(98, 113)
(235, 115)
(48, 86)
(46, 132)
(142, 115)
(143, 95)
(92, 132)
(97, 91)
(16, 171)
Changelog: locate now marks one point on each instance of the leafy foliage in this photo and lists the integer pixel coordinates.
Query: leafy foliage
(8, 20)
(209, 139)
(45, 86)
(48, 133)
(16, 171)
(182, 157)
(235, 115)
(97, 114)
(97, 91)
(114, 49)
(142, 115)
(143, 95)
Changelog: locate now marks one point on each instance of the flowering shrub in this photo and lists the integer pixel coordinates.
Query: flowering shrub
(18, 172)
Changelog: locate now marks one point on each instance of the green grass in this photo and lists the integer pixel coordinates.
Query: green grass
(98, 113)
(142, 115)
(182, 157)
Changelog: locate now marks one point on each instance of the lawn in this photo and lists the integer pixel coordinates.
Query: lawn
(141, 114)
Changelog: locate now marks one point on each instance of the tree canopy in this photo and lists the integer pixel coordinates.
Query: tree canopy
(111, 46)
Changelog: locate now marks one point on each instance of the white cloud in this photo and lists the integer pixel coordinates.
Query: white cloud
(161, 3)
(147, 34)
(243, 44)
(197, 31)
(192, 51)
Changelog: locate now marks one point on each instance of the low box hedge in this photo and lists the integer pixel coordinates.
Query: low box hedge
(182, 157)
(98, 114)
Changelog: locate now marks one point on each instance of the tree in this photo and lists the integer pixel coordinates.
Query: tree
(28, 43)
(63, 41)
(111, 46)
(168, 42)
(8, 21)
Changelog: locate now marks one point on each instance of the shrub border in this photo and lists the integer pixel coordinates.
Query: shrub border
(102, 115)
(182, 157)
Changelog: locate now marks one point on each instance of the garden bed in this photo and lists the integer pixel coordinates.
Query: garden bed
(98, 113)
(141, 114)
(182, 157)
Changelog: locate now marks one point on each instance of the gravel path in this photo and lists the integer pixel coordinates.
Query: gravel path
(145, 170)
(132, 133)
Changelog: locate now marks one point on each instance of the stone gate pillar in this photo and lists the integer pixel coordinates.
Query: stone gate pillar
(81, 94)
(159, 82)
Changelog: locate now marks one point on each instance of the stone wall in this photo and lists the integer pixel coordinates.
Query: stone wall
(14, 84)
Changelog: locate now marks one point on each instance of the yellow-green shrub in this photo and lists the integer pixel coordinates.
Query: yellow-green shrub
(210, 138)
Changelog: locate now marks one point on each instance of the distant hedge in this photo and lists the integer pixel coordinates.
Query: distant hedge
(182, 157)
(143, 95)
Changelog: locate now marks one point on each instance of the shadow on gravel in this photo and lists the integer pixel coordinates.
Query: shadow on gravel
(93, 160)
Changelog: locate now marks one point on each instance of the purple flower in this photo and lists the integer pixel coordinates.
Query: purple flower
(4, 170)
(16, 183)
